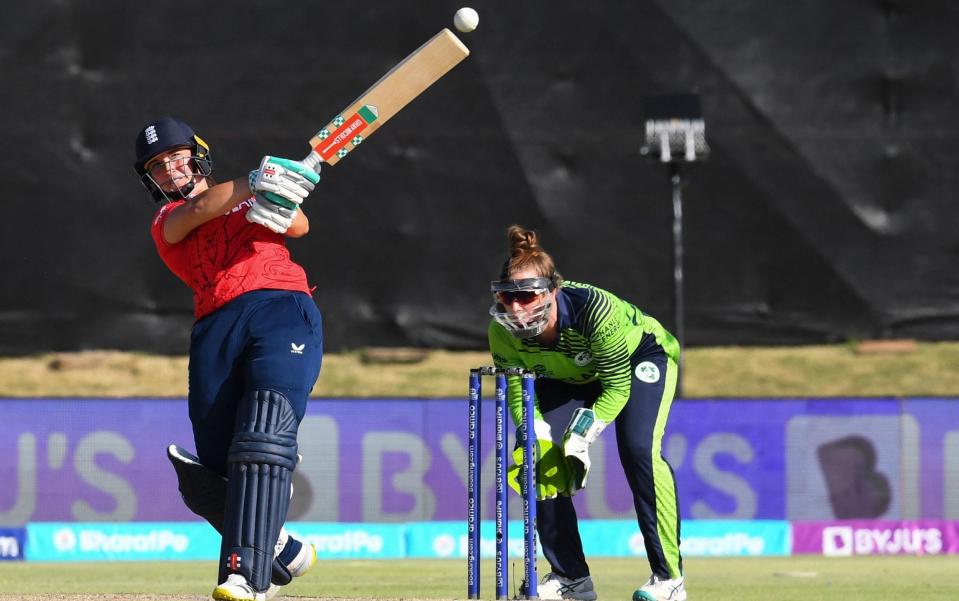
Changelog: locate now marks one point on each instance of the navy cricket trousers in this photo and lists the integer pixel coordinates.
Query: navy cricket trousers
(261, 340)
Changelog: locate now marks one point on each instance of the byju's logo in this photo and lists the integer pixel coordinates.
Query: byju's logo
(837, 541)
(844, 541)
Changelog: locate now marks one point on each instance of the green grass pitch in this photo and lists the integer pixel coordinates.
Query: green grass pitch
(801, 578)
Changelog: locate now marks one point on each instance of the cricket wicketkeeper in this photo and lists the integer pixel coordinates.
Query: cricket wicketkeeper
(617, 366)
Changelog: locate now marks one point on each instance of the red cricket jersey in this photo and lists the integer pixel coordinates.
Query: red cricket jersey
(227, 256)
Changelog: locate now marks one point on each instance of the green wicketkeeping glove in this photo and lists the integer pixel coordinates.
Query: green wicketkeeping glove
(552, 473)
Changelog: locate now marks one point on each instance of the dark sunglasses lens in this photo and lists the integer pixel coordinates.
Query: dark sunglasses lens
(523, 297)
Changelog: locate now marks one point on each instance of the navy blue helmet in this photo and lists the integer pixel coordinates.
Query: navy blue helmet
(161, 135)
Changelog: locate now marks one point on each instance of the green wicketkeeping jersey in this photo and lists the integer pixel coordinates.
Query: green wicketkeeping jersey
(597, 334)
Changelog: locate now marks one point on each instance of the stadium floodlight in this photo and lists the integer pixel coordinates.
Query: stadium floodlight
(675, 129)
(675, 134)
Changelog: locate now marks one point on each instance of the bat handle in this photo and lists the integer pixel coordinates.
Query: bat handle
(312, 161)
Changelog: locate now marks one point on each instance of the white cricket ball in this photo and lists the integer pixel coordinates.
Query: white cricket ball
(466, 19)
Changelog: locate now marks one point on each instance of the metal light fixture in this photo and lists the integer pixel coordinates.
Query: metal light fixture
(675, 129)
(675, 134)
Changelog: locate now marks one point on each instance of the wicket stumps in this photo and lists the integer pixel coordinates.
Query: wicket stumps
(474, 487)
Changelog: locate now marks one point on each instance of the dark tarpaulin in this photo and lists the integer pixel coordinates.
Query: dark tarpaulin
(826, 211)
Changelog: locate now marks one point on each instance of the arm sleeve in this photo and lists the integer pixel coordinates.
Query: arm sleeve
(607, 338)
(505, 355)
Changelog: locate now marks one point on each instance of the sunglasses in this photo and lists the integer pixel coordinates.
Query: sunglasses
(523, 297)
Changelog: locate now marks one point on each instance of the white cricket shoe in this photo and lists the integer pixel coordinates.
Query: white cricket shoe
(554, 587)
(236, 588)
(303, 561)
(301, 564)
(660, 589)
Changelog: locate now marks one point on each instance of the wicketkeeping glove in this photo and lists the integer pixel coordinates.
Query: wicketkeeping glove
(552, 474)
(282, 181)
(582, 431)
(271, 216)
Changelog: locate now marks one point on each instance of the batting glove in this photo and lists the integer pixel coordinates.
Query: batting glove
(282, 181)
(271, 216)
(582, 431)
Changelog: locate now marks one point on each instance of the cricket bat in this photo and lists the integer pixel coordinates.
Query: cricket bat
(401, 84)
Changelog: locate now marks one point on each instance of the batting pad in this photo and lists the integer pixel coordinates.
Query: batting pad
(204, 493)
(202, 489)
(260, 464)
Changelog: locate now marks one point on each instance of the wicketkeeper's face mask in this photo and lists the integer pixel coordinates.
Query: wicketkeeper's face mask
(522, 306)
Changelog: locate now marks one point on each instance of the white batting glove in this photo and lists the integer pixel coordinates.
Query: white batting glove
(282, 181)
(582, 431)
(270, 215)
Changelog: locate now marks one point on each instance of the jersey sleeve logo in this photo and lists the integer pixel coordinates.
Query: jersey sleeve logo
(163, 211)
(583, 358)
(647, 372)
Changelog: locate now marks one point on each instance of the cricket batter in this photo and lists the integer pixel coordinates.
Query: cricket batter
(255, 348)
(617, 365)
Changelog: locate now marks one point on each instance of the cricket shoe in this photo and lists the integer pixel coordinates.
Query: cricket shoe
(294, 555)
(555, 587)
(236, 588)
(662, 589)
(298, 557)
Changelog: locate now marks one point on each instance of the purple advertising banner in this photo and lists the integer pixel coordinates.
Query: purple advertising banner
(90, 460)
(876, 537)
(401, 460)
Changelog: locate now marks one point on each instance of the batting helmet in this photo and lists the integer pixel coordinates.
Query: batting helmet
(161, 135)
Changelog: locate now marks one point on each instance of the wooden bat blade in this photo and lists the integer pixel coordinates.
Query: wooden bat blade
(404, 82)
